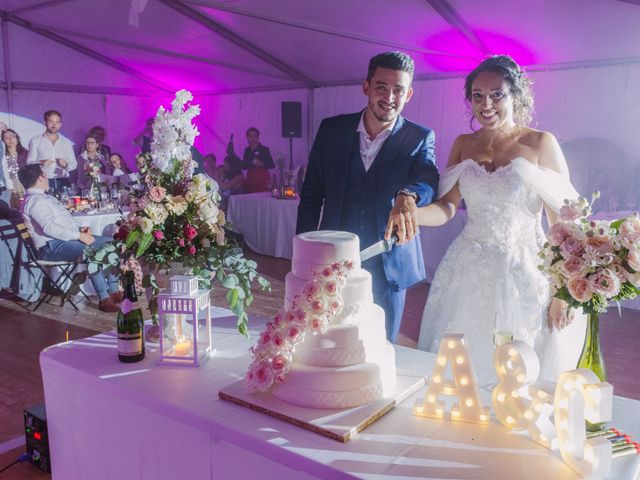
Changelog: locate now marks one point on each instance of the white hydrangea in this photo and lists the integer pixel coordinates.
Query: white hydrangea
(156, 212)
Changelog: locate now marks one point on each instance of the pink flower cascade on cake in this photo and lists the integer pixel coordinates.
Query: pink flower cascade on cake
(591, 262)
(309, 313)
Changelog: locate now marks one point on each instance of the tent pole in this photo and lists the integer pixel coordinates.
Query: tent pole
(7, 69)
(239, 41)
(86, 51)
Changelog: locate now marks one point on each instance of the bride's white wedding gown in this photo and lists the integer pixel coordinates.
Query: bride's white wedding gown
(490, 272)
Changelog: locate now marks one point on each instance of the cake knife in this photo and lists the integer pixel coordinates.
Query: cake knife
(383, 246)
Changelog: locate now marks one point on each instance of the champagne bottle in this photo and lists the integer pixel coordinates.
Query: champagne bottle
(275, 191)
(130, 324)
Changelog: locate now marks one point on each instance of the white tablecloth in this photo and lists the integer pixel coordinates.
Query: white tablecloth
(109, 420)
(99, 223)
(268, 224)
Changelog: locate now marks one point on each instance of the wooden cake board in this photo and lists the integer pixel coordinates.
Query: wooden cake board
(338, 424)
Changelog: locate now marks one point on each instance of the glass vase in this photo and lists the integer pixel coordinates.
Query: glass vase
(592, 359)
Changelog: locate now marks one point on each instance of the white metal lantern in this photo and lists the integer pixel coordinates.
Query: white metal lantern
(184, 339)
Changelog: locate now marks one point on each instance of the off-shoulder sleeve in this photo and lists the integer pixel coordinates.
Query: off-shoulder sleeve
(552, 186)
(450, 177)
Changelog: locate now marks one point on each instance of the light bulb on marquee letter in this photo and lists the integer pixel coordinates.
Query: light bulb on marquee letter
(516, 365)
(453, 348)
(579, 396)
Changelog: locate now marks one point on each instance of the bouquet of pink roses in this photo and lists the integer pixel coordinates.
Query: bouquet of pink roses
(591, 262)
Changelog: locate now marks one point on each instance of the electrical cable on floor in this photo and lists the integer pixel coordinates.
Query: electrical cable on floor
(22, 458)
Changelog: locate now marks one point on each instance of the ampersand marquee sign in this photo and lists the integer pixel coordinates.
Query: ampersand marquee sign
(521, 403)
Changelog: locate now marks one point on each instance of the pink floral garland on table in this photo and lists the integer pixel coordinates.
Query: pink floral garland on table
(312, 310)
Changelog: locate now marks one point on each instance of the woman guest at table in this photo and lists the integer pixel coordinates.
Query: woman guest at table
(118, 166)
(57, 237)
(488, 280)
(15, 157)
(231, 182)
(257, 161)
(90, 156)
(209, 162)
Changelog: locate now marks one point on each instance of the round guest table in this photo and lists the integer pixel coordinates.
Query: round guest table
(268, 224)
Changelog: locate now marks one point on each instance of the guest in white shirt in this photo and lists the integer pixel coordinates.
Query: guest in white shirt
(53, 152)
(57, 237)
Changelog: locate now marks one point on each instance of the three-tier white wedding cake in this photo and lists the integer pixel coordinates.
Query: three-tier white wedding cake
(350, 363)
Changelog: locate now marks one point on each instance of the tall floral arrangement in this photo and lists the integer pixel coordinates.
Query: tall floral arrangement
(177, 220)
(592, 262)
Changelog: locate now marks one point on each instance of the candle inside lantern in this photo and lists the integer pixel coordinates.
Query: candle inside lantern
(182, 349)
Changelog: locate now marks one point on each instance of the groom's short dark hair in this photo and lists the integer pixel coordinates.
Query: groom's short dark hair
(391, 60)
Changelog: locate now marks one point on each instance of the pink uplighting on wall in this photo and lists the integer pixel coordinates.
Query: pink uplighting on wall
(452, 41)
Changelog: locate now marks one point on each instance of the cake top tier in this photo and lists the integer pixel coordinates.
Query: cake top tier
(312, 251)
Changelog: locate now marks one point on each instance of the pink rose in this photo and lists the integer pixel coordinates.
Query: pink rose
(318, 324)
(278, 363)
(278, 340)
(191, 250)
(574, 266)
(633, 259)
(318, 306)
(278, 319)
(262, 375)
(181, 242)
(158, 235)
(580, 289)
(606, 283)
(157, 193)
(190, 232)
(570, 212)
(571, 246)
(293, 333)
(558, 233)
(327, 272)
(600, 243)
(331, 287)
(265, 338)
(630, 230)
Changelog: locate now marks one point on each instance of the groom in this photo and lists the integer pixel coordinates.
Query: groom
(368, 172)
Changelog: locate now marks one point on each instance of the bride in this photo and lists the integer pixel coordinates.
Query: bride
(488, 280)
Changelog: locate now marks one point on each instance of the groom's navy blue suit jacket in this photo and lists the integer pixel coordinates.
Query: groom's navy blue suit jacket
(406, 160)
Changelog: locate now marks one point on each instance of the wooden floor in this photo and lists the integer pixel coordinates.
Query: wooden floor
(24, 335)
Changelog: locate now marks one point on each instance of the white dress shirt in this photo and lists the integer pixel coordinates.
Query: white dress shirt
(369, 148)
(41, 148)
(47, 219)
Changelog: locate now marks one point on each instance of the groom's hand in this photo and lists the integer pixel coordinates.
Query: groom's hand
(402, 219)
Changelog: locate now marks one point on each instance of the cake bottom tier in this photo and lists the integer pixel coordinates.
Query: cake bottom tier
(339, 387)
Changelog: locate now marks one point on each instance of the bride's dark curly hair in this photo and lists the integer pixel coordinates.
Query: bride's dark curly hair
(516, 77)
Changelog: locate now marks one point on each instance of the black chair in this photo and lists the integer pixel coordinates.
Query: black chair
(65, 285)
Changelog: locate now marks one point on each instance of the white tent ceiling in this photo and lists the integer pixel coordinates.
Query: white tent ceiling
(151, 47)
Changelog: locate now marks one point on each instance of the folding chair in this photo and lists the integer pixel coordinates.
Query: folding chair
(11, 269)
(65, 280)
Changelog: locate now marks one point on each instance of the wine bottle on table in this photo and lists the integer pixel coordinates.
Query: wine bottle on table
(130, 324)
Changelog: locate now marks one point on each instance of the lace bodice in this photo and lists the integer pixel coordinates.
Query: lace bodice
(502, 208)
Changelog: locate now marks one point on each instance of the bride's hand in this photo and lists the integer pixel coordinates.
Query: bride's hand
(560, 315)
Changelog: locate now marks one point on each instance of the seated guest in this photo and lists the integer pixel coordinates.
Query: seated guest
(231, 181)
(57, 237)
(53, 152)
(210, 161)
(90, 155)
(99, 133)
(118, 167)
(257, 161)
